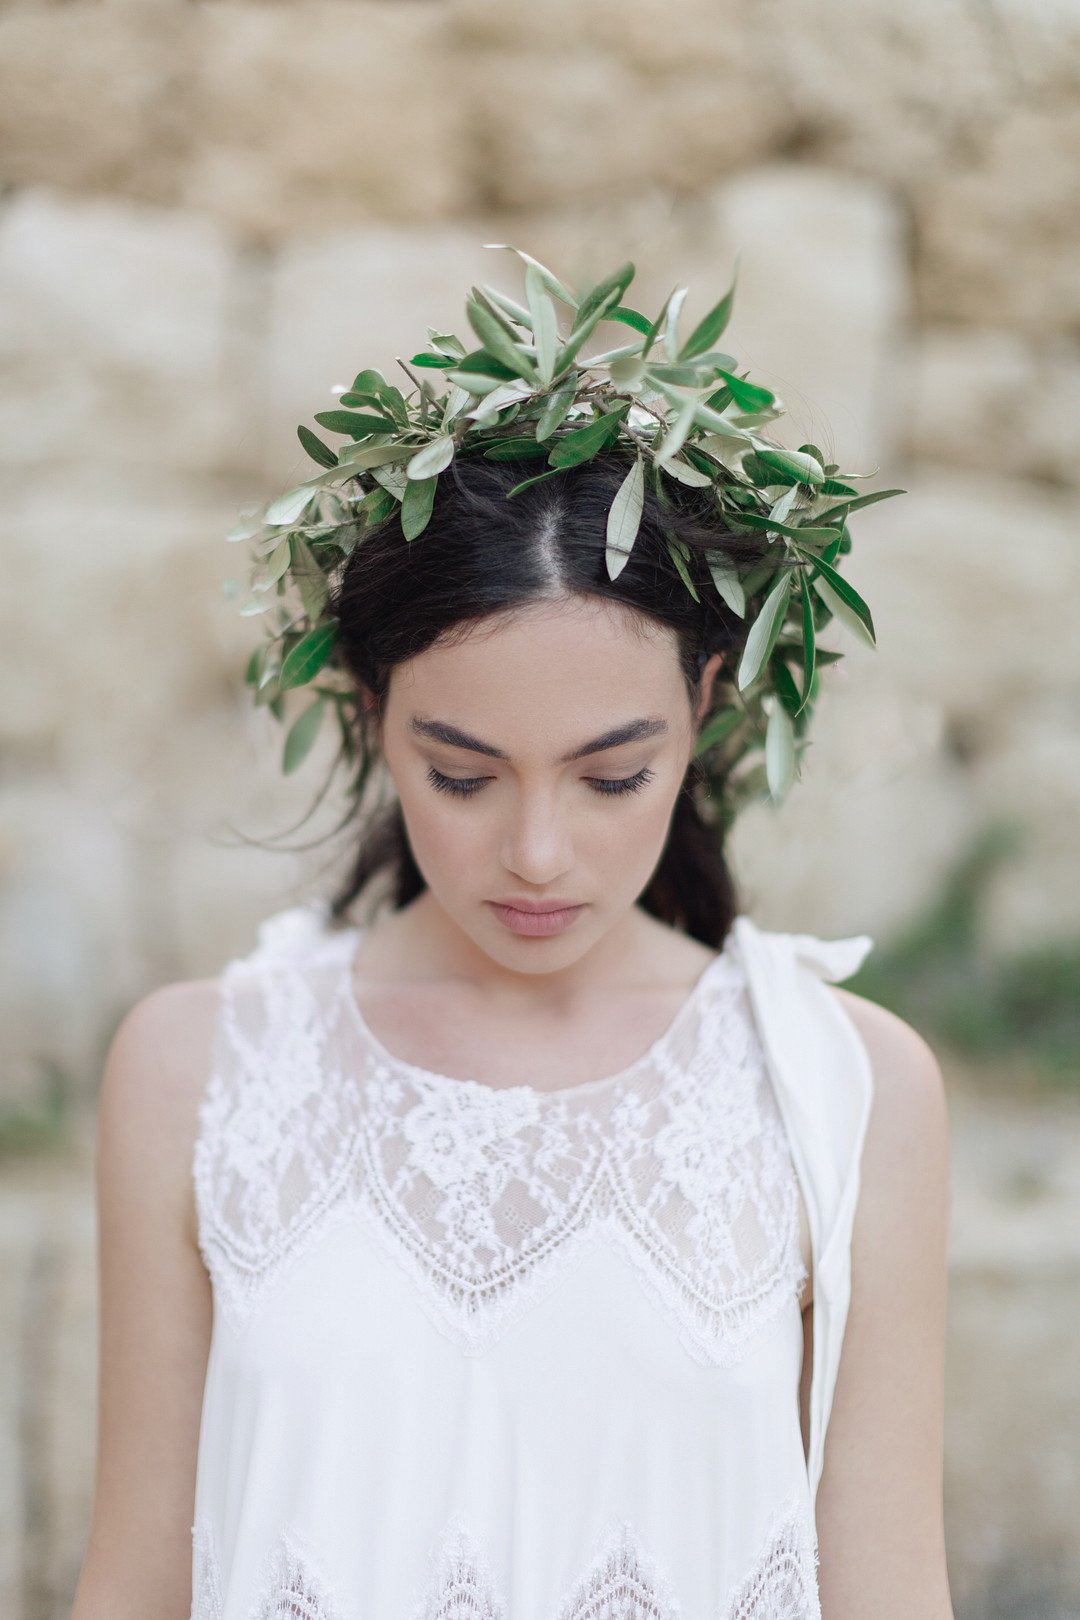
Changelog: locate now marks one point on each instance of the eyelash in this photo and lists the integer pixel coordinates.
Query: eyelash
(465, 787)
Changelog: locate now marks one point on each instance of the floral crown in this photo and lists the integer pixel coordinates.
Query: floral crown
(525, 391)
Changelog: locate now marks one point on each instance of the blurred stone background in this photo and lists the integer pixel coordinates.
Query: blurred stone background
(211, 214)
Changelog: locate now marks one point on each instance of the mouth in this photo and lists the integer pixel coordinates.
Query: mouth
(537, 906)
(534, 920)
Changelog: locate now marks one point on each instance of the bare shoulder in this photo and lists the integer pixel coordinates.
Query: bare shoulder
(909, 1088)
(155, 1072)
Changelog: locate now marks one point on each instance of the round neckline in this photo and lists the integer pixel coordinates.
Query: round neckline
(434, 1077)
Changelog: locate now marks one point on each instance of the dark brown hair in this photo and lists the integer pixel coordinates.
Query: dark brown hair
(483, 555)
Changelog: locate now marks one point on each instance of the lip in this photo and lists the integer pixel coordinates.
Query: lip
(535, 905)
(535, 921)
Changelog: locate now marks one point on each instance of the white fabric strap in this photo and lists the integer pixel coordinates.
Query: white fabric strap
(824, 1085)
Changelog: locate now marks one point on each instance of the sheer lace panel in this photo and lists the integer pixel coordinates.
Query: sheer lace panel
(487, 1196)
(461, 1584)
(292, 1590)
(623, 1580)
(783, 1583)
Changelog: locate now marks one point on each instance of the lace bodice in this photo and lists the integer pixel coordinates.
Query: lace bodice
(486, 1196)
(487, 1351)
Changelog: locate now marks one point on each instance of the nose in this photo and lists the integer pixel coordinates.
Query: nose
(536, 843)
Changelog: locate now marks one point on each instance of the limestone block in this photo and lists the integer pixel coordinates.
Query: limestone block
(88, 95)
(822, 307)
(1041, 44)
(1029, 768)
(339, 301)
(68, 1369)
(994, 398)
(71, 943)
(887, 91)
(971, 580)
(1011, 1472)
(117, 610)
(869, 830)
(570, 102)
(998, 227)
(115, 334)
(323, 115)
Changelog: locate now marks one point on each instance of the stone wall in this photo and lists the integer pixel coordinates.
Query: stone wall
(210, 214)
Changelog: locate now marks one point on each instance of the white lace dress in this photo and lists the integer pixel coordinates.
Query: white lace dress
(490, 1353)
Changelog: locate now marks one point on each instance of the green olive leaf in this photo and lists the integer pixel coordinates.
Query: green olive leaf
(304, 661)
(764, 631)
(779, 749)
(624, 519)
(301, 736)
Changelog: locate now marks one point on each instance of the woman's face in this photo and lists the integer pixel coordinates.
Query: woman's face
(479, 737)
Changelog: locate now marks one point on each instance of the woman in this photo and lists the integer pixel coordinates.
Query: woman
(494, 1257)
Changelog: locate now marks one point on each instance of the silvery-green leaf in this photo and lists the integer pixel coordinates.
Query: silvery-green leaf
(254, 606)
(779, 750)
(555, 411)
(301, 736)
(544, 324)
(247, 529)
(416, 505)
(446, 343)
(679, 553)
(676, 435)
(847, 615)
(509, 306)
(311, 582)
(783, 506)
(477, 382)
(392, 479)
(717, 422)
(377, 455)
(671, 330)
(625, 351)
(275, 565)
(288, 507)
(497, 338)
(686, 474)
(432, 458)
(764, 631)
(624, 519)
(497, 399)
(728, 449)
(628, 372)
(551, 282)
(455, 401)
(581, 332)
(727, 582)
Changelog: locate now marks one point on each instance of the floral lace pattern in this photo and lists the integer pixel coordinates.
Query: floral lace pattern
(623, 1581)
(487, 1196)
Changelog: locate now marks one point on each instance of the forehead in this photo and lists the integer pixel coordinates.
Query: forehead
(582, 648)
(568, 663)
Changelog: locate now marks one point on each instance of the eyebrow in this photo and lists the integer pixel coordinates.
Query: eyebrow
(630, 731)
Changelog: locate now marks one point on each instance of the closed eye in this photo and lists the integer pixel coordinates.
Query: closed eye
(464, 786)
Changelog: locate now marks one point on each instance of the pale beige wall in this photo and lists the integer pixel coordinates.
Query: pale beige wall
(211, 214)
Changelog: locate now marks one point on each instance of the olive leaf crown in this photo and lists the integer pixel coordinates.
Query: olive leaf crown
(526, 392)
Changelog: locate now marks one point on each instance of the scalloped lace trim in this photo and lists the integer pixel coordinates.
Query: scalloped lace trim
(622, 1580)
(487, 1197)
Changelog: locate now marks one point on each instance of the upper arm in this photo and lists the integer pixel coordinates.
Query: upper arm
(880, 1514)
(154, 1310)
